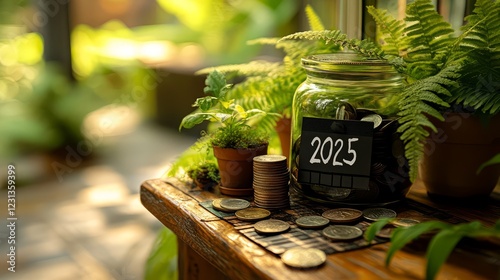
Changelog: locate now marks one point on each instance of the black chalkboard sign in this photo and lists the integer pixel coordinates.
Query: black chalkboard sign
(335, 153)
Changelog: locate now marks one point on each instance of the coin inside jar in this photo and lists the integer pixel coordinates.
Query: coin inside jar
(312, 222)
(376, 119)
(234, 204)
(303, 257)
(341, 232)
(375, 214)
(271, 226)
(342, 215)
(252, 214)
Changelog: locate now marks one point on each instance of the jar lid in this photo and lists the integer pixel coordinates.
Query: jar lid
(345, 62)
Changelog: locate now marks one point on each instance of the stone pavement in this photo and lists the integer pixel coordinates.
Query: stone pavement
(91, 224)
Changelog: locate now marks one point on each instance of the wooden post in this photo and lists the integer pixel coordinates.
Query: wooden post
(55, 30)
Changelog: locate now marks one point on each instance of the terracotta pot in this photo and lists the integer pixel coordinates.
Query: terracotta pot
(236, 169)
(453, 155)
(283, 128)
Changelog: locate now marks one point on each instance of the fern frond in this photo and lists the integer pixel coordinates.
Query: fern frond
(428, 38)
(337, 38)
(483, 26)
(313, 19)
(391, 30)
(416, 105)
(480, 45)
(254, 68)
(264, 41)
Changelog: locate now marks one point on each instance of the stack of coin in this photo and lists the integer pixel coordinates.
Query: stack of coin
(270, 181)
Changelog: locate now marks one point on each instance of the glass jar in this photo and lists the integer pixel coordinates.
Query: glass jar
(345, 148)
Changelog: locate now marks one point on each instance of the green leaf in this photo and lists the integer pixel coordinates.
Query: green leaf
(496, 227)
(494, 160)
(439, 249)
(374, 228)
(193, 119)
(216, 84)
(443, 243)
(162, 260)
(402, 236)
(205, 103)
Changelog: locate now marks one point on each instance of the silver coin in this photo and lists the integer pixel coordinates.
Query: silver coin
(312, 222)
(345, 111)
(234, 204)
(374, 118)
(375, 214)
(269, 158)
(303, 257)
(271, 226)
(339, 232)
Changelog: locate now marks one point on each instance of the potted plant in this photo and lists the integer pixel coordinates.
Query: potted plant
(464, 121)
(235, 142)
(270, 86)
(442, 71)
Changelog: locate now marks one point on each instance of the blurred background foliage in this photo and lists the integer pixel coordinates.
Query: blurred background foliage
(114, 60)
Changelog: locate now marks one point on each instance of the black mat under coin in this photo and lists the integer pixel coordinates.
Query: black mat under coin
(313, 238)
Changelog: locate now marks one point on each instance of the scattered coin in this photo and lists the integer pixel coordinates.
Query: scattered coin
(271, 226)
(234, 204)
(340, 232)
(385, 232)
(375, 214)
(303, 257)
(252, 214)
(374, 118)
(216, 204)
(404, 222)
(342, 215)
(312, 222)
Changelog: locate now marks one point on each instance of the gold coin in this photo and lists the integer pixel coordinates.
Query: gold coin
(216, 205)
(271, 226)
(340, 232)
(234, 204)
(252, 214)
(303, 257)
(342, 215)
(312, 222)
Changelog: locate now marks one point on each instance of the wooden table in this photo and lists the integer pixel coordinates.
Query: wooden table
(211, 248)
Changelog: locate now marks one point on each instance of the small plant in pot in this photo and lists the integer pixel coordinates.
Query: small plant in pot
(235, 142)
(270, 86)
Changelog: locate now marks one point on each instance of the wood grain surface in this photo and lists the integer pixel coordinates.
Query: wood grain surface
(176, 205)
